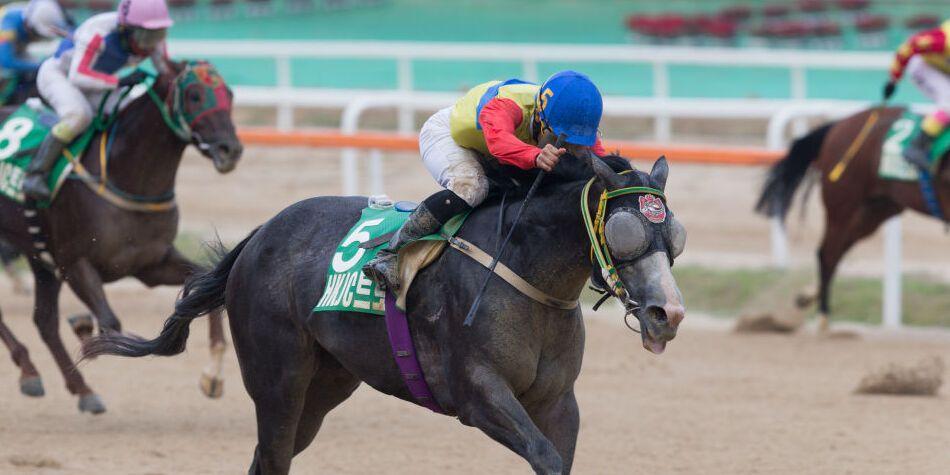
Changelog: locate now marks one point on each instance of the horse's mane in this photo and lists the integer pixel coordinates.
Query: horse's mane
(570, 170)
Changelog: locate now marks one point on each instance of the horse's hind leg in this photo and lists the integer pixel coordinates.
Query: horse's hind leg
(173, 270)
(46, 318)
(559, 421)
(840, 235)
(488, 403)
(330, 386)
(278, 362)
(30, 382)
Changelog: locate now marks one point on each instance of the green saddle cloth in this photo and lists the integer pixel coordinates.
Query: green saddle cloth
(20, 136)
(902, 131)
(347, 289)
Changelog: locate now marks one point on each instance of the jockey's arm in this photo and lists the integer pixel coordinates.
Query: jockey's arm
(159, 58)
(499, 119)
(930, 41)
(82, 69)
(9, 61)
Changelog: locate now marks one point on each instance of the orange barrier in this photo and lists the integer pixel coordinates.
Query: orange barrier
(406, 143)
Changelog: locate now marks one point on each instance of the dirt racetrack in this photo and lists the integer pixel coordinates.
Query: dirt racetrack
(716, 402)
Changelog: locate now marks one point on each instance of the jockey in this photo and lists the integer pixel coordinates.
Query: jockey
(926, 59)
(83, 70)
(507, 120)
(21, 24)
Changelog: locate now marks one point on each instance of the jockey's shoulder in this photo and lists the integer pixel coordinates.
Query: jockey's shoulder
(101, 24)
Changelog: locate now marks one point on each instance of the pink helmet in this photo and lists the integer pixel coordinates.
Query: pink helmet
(149, 14)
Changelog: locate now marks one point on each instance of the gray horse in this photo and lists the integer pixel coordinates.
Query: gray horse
(511, 374)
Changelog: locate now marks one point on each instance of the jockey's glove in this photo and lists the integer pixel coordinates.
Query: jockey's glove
(133, 78)
(889, 90)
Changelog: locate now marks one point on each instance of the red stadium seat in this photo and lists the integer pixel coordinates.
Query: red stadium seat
(854, 5)
(812, 6)
(922, 22)
(777, 10)
(736, 13)
(868, 23)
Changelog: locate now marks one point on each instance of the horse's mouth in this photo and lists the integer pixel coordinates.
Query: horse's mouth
(223, 165)
(225, 156)
(653, 345)
(654, 340)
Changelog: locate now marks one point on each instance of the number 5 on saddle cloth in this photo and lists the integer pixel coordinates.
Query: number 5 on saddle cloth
(347, 288)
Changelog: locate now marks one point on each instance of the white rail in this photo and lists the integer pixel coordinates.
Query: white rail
(529, 55)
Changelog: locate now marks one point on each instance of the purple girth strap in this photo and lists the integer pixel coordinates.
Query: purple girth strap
(404, 351)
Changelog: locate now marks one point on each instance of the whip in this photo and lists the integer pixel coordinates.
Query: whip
(494, 262)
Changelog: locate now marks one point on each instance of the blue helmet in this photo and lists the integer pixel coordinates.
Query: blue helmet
(569, 103)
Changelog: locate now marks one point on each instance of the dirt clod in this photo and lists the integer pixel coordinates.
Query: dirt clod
(921, 379)
(765, 323)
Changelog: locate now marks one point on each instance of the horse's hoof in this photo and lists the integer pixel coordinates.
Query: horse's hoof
(82, 325)
(32, 386)
(212, 386)
(823, 325)
(91, 403)
(806, 297)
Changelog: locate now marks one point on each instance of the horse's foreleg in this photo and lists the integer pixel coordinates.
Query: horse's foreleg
(173, 270)
(488, 403)
(559, 421)
(30, 382)
(86, 283)
(46, 318)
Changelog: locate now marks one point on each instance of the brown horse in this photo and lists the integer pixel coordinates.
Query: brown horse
(858, 201)
(125, 227)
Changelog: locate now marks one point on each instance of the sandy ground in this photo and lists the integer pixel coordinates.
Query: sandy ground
(715, 402)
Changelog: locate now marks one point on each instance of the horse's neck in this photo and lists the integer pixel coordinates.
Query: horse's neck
(145, 152)
(554, 255)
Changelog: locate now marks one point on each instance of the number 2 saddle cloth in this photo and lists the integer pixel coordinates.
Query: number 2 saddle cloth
(893, 166)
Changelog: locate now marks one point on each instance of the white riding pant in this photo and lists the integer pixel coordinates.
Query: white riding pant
(455, 168)
(933, 82)
(72, 105)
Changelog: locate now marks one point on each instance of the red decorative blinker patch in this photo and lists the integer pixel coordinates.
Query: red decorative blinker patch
(652, 208)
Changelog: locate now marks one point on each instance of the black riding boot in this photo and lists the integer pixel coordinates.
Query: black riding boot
(384, 268)
(34, 186)
(918, 152)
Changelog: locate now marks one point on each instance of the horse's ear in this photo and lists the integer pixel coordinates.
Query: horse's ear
(611, 179)
(660, 171)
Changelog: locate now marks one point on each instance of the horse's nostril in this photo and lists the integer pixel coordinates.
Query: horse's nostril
(657, 314)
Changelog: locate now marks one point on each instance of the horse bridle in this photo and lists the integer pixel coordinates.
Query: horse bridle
(600, 253)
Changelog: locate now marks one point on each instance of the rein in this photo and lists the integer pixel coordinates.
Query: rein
(101, 185)
(596, 233)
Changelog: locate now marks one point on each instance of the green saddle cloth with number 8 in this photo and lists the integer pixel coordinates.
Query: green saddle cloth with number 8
(20, 136)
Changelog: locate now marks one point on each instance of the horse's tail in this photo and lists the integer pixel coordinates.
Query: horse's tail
(203, 293)
(785, 176)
